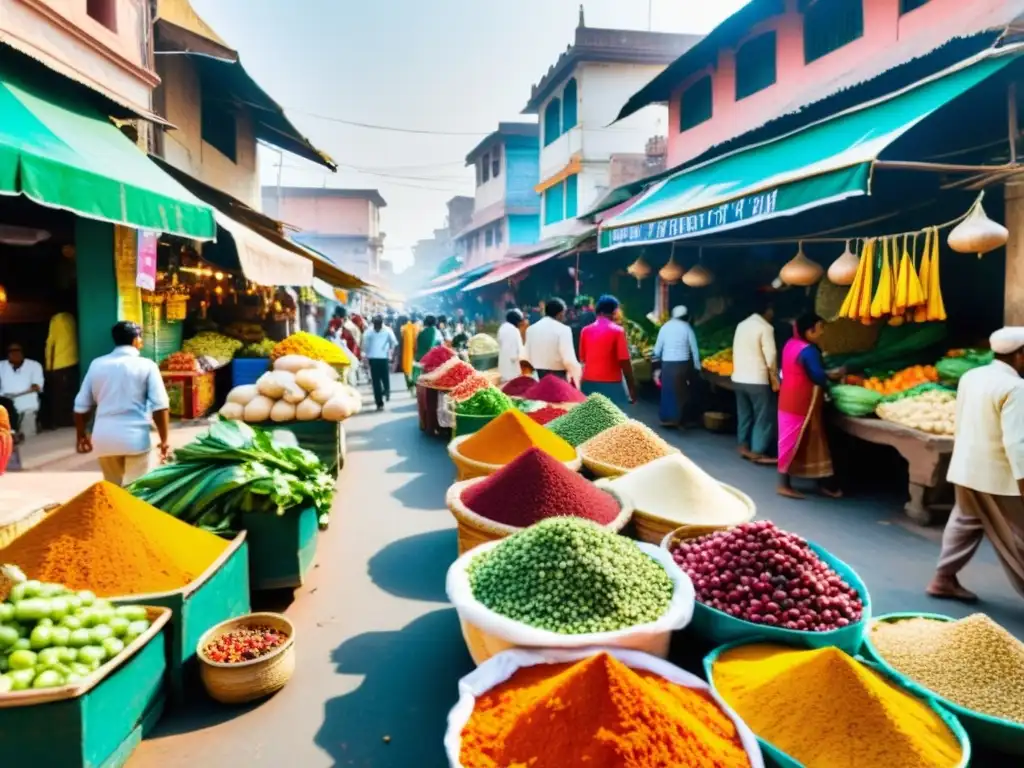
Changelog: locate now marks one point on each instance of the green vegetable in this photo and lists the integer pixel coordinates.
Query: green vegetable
(22, 644)
(79, 638)
(5, 664)
(78, 668)
(587, 420)
(92, 655)
(32, 588)
(6, 612)
(571, 576)
(22, 679)
(18, 592)
(112, 646)
(135, 629)
(87, 597)
(8, 637)
(131, 612)
(60, 636)
(6, 684)
(854, 401)
(489, 401)
(59, 608)
(68, 655)
(48, 679)
(40, 638)
(71, 622)
(32, 609)
(49, 657)
(100, 633)
(22, 660)
(119, 625)
(952, 368)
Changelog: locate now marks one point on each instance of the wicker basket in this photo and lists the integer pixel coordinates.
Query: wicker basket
(467, 469)
(601, 469)
(474, 530)
(682, 533)
(716, 421)
(248, 680)
(653, 529)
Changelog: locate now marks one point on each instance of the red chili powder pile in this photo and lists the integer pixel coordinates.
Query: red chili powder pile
(518, 386)
(454, 376)
(469, 387)
(552, 389)
(435, 358)
(534, 487)
(598, 713)
(547, 414)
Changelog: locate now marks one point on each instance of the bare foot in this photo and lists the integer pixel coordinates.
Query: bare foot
(831, 493)
(789, 493)
(949, 588)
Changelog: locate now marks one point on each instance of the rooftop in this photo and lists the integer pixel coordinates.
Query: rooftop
(372, 195)
(505, 132)
(623, 46)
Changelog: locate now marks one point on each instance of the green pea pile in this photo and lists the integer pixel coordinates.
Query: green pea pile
(571, 576)
(489, 401)
(588, 419)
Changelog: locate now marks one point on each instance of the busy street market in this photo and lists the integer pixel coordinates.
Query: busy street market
(694, 436)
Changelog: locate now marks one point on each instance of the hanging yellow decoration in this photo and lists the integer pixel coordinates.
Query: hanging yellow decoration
(936, 307)
(881, 305)
(921, 310)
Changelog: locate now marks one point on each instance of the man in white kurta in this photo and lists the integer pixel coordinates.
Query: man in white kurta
(21, 381)
(510, 346)
(987, 469)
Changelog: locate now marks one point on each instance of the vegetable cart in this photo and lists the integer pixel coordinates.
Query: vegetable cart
(96, 723)
(281, 547)
(221, 593)
(191, 395)
(927, 458)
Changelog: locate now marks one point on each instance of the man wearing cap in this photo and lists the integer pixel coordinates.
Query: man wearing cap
(676, 356)
(987, 469)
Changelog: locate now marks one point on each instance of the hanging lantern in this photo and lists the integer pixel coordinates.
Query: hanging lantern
(671, 272)
(698, 277)
(977, 233)
(800, 270)
(3, 299)
(639, 269)
(844, 269)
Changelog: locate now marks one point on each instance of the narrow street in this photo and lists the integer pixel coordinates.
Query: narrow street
(379, 649)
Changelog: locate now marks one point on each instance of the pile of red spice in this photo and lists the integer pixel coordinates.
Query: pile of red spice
(546, 414)
(518, 386)
(451, 378)
(552, 389)
(244, 644)
(435, 358)
(535, 487)
(469, 387)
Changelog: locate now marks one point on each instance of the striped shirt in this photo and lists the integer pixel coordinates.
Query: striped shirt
(677, 343)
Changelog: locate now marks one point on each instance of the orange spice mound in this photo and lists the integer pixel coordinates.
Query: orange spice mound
(511, 434)
(598, 713)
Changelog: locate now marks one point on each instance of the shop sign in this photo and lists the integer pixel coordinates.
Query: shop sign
(145, 274)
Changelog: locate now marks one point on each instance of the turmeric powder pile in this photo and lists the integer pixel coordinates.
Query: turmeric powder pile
(826, 710)
(510, 435)
(107, 541)
(598, 713)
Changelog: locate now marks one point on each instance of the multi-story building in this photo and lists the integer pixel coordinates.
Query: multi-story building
(577, 99)
(342, 224)
(506, 209)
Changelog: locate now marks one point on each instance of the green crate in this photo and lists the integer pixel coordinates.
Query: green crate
(221, 593)
(484, 362)
(467, 425)
(98, 724)
(281, 547)
(321, 437)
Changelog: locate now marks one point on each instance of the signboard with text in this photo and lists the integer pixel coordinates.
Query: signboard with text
(145, 270)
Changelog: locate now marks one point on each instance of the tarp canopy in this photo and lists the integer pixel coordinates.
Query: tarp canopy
(824, 162)
(263, 262)
(512, 267)
(63, 153)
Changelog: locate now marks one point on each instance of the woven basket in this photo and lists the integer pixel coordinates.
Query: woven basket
(467, 469)
(474, 530)
(34, 516)
(248, 680)
(716, 421)
(682, 533)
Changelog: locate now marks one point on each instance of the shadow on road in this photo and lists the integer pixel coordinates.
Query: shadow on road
(410, 683)
(415, 567)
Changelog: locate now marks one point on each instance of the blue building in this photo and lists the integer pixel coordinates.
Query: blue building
(506, 209)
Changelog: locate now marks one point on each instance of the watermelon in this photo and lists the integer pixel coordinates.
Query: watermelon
(853, 400)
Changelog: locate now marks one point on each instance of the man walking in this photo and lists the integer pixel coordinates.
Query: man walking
(123, 389)
(677, 357)
(21, 381)
(549, 345)
(987, 469)
(61, 369)
(755, 379)
(378, 343)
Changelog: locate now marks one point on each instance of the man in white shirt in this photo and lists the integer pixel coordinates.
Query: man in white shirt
(987, 469)
(755, 380)
(378, 344)
(510, 346)
(123, 389)
(549, 345)
(21, 381)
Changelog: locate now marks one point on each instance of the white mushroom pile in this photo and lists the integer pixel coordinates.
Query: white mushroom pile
(933, 412)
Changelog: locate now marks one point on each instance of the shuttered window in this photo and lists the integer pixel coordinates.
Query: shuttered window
(570, 99)
(829, 25)
(554, 203)
(552, 121)
(755, 65)
(695, 104)
(571, 196)
(906, 6)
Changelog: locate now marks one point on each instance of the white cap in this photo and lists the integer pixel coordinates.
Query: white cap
(1007, 340)
(679, 312)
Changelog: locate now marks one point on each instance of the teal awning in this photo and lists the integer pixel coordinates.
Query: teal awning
(64, 154)
(819, 164)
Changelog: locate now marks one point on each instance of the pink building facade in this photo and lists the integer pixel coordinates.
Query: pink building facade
(775, 56)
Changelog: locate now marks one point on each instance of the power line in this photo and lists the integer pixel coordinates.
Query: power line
(367, 172)
(391, 128)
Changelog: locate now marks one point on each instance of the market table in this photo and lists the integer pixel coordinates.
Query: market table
(927, 458)
(716, 379)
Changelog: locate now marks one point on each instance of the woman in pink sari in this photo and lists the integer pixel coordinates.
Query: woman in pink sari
(803, 443)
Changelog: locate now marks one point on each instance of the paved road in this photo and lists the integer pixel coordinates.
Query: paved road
(380, 651)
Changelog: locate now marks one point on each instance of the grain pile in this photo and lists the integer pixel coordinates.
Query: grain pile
(973, 662)
(626, 446)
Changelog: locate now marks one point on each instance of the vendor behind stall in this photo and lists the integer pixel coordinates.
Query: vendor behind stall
(21, 381)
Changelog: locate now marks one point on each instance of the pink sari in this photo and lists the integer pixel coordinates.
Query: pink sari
(803, 447)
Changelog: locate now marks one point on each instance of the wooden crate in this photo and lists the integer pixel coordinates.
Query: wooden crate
(191, 395)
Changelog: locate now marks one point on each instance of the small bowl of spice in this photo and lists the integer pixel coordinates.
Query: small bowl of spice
(247, 658)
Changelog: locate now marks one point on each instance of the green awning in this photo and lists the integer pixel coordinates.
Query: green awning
(819, 164)
(67, 155)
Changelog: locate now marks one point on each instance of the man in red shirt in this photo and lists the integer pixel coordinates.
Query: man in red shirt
(604, 354)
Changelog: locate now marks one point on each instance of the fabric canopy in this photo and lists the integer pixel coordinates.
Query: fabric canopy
(64, 154)
(324, 289)
(819, 164)
(432, 290)
(263, 262)
(510, 268)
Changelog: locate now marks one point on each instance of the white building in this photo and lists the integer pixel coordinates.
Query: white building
(576, 102)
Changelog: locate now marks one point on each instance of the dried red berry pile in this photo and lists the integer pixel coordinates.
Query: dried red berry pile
(759, 573)
(435, 358)
(518, 386)
(552, 389)
(451, 378)
(546, 414)
(469, 387)
(244, 644)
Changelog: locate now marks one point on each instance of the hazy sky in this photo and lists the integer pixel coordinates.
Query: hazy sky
(448, 66)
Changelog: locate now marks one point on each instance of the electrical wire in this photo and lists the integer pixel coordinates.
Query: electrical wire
(391, 128)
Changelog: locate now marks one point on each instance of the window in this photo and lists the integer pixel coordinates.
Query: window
(570, 101)
(571, 195)
(552, 121)
(499, 235)
(829, 26)
(103, 11)
(496, 163)
(485, 169)
(695, 104)
(906, 6)
(488, 238)
(554, 203)
(755, 65)
(219, 129)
